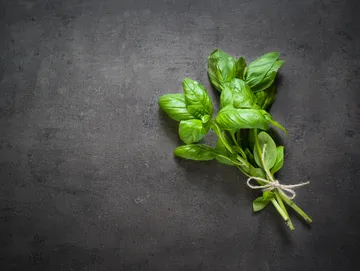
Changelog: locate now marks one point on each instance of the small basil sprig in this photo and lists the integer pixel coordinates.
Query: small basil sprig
(247, 92)
(193, 109)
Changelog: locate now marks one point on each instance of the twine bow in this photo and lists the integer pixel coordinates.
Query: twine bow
(286, 189)
(271, 184)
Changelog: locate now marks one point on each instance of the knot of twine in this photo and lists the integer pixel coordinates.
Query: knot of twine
(286, 189)
(271, 184)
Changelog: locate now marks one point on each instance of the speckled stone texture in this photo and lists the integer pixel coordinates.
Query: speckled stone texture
(88, 178)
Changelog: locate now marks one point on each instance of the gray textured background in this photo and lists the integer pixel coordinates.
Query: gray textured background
(88, 178)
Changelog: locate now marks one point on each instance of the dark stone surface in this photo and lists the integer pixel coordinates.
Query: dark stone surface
(88, 179)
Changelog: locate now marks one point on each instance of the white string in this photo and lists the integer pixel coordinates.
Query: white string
(285, 189)
(271, 185)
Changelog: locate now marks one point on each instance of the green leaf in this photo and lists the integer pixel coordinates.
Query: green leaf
(233, 119)
(226, 97)
(270, 96)
(259, 204)
(192, 131)
(260, 98)
(257, 172)
(270, 150)
(279, 159)
(269, 78)
(242, 95)
(175, 107)
(220, 147)
(240, 68)
(205, 118)
(268, 195)
(265, 98)
(198, 102)
(272, 121)
(198, 152)
(237, 149)
(222, 68)
(251, 138)
(258, 69)
(225, 160)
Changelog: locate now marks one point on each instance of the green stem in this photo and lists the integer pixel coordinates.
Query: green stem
(234, 140)
(238, 139)
(271, 178)
(296, 208)
(243, 161)
(218, 132)
(281, 203)
(280, 210)
(242, 153)
(257, 145)
(243, 171)
(278, 202)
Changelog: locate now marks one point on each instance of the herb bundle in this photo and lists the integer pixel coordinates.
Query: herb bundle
(246, 93)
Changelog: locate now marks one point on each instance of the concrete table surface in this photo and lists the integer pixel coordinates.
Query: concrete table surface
(88, 178)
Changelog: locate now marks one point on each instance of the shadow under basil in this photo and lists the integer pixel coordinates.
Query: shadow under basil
(208, 174)
(169, 126)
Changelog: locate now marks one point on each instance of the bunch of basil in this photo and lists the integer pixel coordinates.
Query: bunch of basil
(247, 91)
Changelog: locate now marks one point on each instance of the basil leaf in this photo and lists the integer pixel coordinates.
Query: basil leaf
(240, 68)
(175, 107)
(220, 147)
(259, 204)
(225, 160)
(269, 78)
(226, 97)
(256, 172)
(272, 121)
(258, 69)
(205, 118)
(197, 99)
(239, 86)
(222, 68)
(268, 195)
(270, 150)
(251, 139)
(279, 159)
(237, 149)
(198, 152)
(192, 131)
(242, 95)
(260, 98)
(265, 98)
(206, 127)
(233, 119)
(270, 96)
